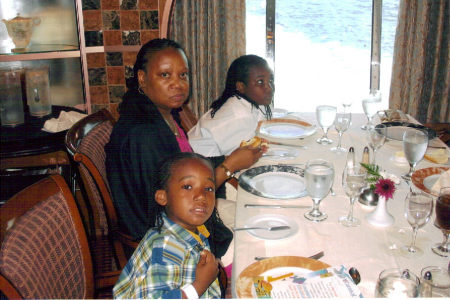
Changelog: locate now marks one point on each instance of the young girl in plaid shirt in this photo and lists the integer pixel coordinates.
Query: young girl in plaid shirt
(173, 260)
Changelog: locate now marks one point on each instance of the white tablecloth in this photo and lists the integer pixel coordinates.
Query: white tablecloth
(370, 249)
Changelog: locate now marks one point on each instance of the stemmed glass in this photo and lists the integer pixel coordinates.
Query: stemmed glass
(443, 221)
(342, 123)
(418, 208)
(319, 176)
(325, 115)
(353, 182)
(370, 107)
(415, 143)
(376, 137)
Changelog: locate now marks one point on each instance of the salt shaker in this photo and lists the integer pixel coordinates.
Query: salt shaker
(365, 157)
(350, 158)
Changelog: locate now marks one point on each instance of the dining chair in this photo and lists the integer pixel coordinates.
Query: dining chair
(44, 248)
(85, 142)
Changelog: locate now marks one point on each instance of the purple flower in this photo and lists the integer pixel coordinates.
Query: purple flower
(385, 188)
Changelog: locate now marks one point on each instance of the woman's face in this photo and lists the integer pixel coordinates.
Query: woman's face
(166, 80)
(259, 87)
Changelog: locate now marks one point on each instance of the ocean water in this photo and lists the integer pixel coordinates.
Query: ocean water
(322, 53)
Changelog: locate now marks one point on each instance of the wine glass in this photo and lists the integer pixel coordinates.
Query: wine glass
(353, 182)
(325, 115)
(443, 221)
(319, 176)
(342, 123)
(415, 143)
(418, 208)
(370, 107)
(376, 137)
(397, 283)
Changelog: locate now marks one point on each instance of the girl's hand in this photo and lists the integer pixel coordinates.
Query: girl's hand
(206, 272)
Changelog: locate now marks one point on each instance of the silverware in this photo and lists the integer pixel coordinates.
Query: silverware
(279, 155)
(289, 145)
(276, 206)
(354, 274)
(315, 256)
(270, 228)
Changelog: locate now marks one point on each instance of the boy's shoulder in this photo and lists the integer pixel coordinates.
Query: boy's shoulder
(166, 247)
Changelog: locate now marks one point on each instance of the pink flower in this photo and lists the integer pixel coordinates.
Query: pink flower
(385, 188)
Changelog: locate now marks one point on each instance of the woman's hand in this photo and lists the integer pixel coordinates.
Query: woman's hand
(206, 272)
(244, 157)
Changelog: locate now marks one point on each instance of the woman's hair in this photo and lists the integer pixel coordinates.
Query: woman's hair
(240, 71)
(165, 172)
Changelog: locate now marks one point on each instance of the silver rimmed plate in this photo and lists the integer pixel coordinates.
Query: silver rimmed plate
(274, 181)
(286, 129)
(271, 220)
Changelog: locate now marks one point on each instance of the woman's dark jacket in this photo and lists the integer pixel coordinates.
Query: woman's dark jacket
(139, 142)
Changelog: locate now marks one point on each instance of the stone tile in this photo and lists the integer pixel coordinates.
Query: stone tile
(95, 60)
(114, 59)
(128, 74)
(116, 75)
(110, 4)
(111, 19)
(116, 93)
(93, 38)
(148, 4)
(99, 94)
(113, 37)
(149, 19)
(147, 35)
(129, 20)
(128, 4)
(90, 4)
(97, 76)
(129, 58)
(131, 38)
(92, 20)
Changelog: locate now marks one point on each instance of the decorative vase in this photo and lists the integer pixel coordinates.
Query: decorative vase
(380, 217)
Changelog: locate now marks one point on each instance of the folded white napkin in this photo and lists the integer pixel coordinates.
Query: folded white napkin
(443, 181)
(63, 122)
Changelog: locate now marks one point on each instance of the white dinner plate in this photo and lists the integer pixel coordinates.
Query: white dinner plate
(425, 178)
(274, 181)
(280, 153)
(270, 220)
(286, 129)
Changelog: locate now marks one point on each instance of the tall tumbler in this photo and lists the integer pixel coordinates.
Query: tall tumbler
(11, 106)
(38, 91)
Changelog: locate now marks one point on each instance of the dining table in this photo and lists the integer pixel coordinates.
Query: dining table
(367, 248)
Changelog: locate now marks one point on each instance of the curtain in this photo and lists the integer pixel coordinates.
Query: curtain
(212, 32)
(420, 75)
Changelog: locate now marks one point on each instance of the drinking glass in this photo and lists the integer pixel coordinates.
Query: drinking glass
(435, 282)
(443, 221)
(415, 143)
(325, 115)
(418, 207)
(397, 283)
(370, 107)
(376, 137)
(342, 123)
(319, 176)
(353, 182)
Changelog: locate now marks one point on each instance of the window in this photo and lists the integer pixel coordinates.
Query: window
(323, 49)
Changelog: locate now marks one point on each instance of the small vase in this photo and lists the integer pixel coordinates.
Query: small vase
(380, 217)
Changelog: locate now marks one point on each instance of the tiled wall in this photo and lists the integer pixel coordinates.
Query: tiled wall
(116, 23)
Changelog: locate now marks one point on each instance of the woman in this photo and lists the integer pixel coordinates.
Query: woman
(148, 131)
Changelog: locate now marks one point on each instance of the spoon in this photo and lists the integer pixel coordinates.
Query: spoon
(354, 274)
(272, 228)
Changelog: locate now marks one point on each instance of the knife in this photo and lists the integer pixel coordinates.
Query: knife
(269, 228)
(276, 206)
(315, 256)
(289, 145)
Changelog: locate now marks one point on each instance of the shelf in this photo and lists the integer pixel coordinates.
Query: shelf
(39, 51)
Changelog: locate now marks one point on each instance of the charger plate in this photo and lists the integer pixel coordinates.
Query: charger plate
(425, 178)
(395, 130)
(245, 280)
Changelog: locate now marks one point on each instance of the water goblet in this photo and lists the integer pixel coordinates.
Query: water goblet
(376, 137)
(435, 282)
(443, 221)
(353, 182)
(342, 123)
(418, 208)
(397, 283)
(415, 143)
(325, 115)
(370, 107)
(319, 176)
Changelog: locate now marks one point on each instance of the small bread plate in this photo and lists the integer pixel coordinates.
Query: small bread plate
(271, 220)
(395, 130)
(274, 181)
(280, 153)
(274, 266)
(425, 178)
(279, 112)
(285, 128)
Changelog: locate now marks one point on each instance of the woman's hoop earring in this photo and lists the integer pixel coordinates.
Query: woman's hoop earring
(140, 91)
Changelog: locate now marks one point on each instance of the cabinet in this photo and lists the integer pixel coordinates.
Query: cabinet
(57, 42)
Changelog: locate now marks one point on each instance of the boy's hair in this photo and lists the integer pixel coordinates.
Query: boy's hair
(165, 172)
(239, 70)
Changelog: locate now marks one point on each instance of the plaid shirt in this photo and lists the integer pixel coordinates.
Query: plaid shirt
(162, 264)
